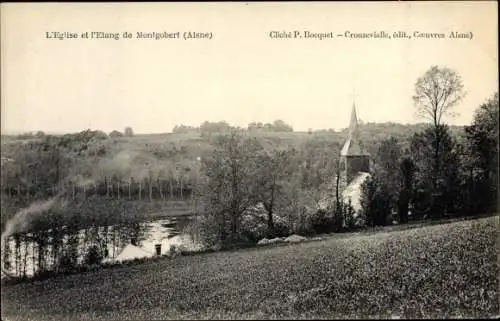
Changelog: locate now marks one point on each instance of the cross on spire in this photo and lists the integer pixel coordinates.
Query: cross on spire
(353, 95)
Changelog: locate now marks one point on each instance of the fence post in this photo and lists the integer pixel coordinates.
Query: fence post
(129, 183)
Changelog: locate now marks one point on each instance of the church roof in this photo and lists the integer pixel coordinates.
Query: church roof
(353, 145)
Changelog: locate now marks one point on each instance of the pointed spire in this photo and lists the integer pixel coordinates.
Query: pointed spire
(353, 125)
(353, 145)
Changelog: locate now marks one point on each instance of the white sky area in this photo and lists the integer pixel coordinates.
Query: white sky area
(241, 75)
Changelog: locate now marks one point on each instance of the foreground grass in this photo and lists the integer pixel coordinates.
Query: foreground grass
(437, 271)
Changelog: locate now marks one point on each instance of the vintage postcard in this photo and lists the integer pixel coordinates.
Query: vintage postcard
(267, 160)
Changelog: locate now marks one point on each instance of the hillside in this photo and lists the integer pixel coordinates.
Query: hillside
(176, 147)
(447, 270)
(157, 166)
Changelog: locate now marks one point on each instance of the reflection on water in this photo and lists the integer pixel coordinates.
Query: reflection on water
(26, 253)
(167, 233)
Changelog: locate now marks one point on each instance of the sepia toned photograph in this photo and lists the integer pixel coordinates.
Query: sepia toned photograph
(249, 160)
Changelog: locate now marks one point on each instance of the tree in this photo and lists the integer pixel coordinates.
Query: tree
(229, 187)
(436, 93)
(386, 163)
(129, 132)
(280, 126)
(255, 126)
(115, 134)
(209, 128)
(40, 134)
(482, 151)
(436, 188)
(407, 170)
(181, 129)
(375, 202)
(319, 158)
(272, 167)
(338, 210)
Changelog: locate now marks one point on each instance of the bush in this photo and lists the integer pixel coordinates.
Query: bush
(66, 264)
(323, 221)
(206, 230)
(375, 202)
(254, 225)
(352, 219)
(282, 226)
(94, 256)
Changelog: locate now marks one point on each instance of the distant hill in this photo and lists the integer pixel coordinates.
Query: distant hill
(187, 147)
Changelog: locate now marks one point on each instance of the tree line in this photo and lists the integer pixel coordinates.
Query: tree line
(434, 173)
(439, 174)
(212, 128)
(250, 186)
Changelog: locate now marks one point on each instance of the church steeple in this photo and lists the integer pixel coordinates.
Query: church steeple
(353, 145)
(353, 125)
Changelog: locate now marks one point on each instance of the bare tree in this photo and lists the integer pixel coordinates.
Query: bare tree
(436, 93)
(273, 167)
(228, 190)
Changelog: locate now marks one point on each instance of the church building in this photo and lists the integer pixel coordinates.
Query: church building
(354, 167)
(353, 157)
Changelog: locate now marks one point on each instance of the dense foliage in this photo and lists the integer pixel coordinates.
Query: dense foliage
(437, 172)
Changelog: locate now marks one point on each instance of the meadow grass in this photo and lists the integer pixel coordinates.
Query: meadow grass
(447, 270)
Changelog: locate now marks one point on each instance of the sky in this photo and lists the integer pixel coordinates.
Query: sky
(241, 75)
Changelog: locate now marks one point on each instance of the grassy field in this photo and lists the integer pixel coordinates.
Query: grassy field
(447, 270)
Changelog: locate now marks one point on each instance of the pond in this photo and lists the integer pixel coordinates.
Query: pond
(23, 255)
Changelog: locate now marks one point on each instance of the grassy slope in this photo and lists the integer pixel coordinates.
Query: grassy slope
(441, 270)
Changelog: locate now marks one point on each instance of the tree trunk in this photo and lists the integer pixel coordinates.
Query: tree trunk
(338, 206)
(150, 189)
(180, 179)
(17, 254)
(403, 207)
(171, 189)
(118, 189)
(472, 192)
(270, 223)
(160, 183)
(25, 259)
(32, 258)
(140, 190)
